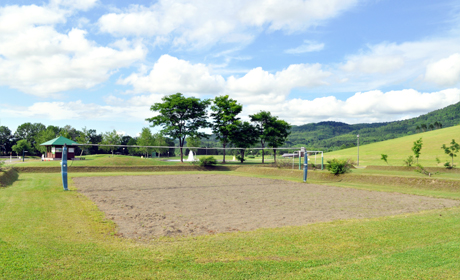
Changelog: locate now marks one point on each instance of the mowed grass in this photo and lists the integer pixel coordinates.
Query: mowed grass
(123, 160)
(46, 233)
(102, 160)
(400, 148)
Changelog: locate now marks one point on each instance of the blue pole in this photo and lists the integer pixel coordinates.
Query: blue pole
(64, 167)
(305, 166)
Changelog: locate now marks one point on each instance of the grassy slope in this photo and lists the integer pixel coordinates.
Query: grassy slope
(400, 148)
(47, 233)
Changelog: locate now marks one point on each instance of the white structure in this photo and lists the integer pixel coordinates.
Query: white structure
(190, 157)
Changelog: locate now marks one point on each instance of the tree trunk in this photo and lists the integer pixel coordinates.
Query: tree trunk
(181, 155)
(263, 153)
(274, 155)
(224, 145)
(242, 156)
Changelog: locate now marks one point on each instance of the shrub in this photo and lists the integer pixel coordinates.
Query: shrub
(239, 158)
(208, 161)
(385, 158)
(337, 166)
(419, 168)
(409, 161)
(447, 165)
(2, 163)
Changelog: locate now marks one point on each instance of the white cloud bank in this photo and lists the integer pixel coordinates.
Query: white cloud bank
(203, 23)
(170, 75)
(362, 107)
(445, 72)
(36, 59)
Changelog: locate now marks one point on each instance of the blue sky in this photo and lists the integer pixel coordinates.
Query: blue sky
(101, 64)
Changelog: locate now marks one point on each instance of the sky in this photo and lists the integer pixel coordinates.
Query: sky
(101, 64)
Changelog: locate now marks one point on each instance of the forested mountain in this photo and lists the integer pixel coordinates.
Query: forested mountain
(330, 135)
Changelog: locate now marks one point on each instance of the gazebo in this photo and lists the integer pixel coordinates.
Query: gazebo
(54, 148)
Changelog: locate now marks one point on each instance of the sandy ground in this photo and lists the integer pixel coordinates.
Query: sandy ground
(170, 205)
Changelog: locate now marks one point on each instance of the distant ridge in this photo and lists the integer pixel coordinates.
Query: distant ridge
(330, 135)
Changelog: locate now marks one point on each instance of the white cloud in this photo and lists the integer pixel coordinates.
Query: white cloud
(390, 63)
(77, 110)
(202, 23)
(445, 72)
(74, 4)
(307, 46)
(38, 60)
(170, 75)
(362, 107)
(294, 15)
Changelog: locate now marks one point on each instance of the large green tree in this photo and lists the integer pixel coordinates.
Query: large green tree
(28, 132)
(22, 145)
(146, 139)
(84, 137)
(264, 123)
(277, 133)
(49, 133)
(181, 117)
(243, 135)
(6, 138)
(224, 112)
(110, 138)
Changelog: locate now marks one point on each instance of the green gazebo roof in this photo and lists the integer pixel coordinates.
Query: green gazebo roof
(59, 141)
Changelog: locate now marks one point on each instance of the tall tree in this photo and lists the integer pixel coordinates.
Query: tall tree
(451, 150)
(180, 117)
(193, 142)
(264, 123)
(22, 145)
(110, 138)
(84, 137)
(417, 148)
(145, 139)
(6, 138)
(277, 133)
(131, 150)
(224, 112)
(243, 135)
(160, 140)
(45, 135)
(28, 132)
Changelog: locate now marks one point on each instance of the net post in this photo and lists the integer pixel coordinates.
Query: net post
(300, 159)
(321, 160)
(64, 167)
(305, 164)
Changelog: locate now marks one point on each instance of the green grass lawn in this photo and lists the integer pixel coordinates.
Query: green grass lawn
(119, 160)
(46, 233)
(400, 148)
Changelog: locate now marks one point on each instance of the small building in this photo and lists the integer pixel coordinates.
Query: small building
(54, 148)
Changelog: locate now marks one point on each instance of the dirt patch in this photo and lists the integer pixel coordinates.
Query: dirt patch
(197, 204)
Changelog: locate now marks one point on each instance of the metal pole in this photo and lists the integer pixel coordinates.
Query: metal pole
(358, 149)
(64, 167)
(300, 160)
(305, 166)
(322, 161)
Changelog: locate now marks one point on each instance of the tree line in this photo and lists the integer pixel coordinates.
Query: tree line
(185, 118)
(182, 121)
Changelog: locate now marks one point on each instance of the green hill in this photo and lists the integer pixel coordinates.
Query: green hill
(336, 135)
(400, 148)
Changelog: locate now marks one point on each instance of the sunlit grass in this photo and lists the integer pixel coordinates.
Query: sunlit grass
(46, 233)
(400, 148)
